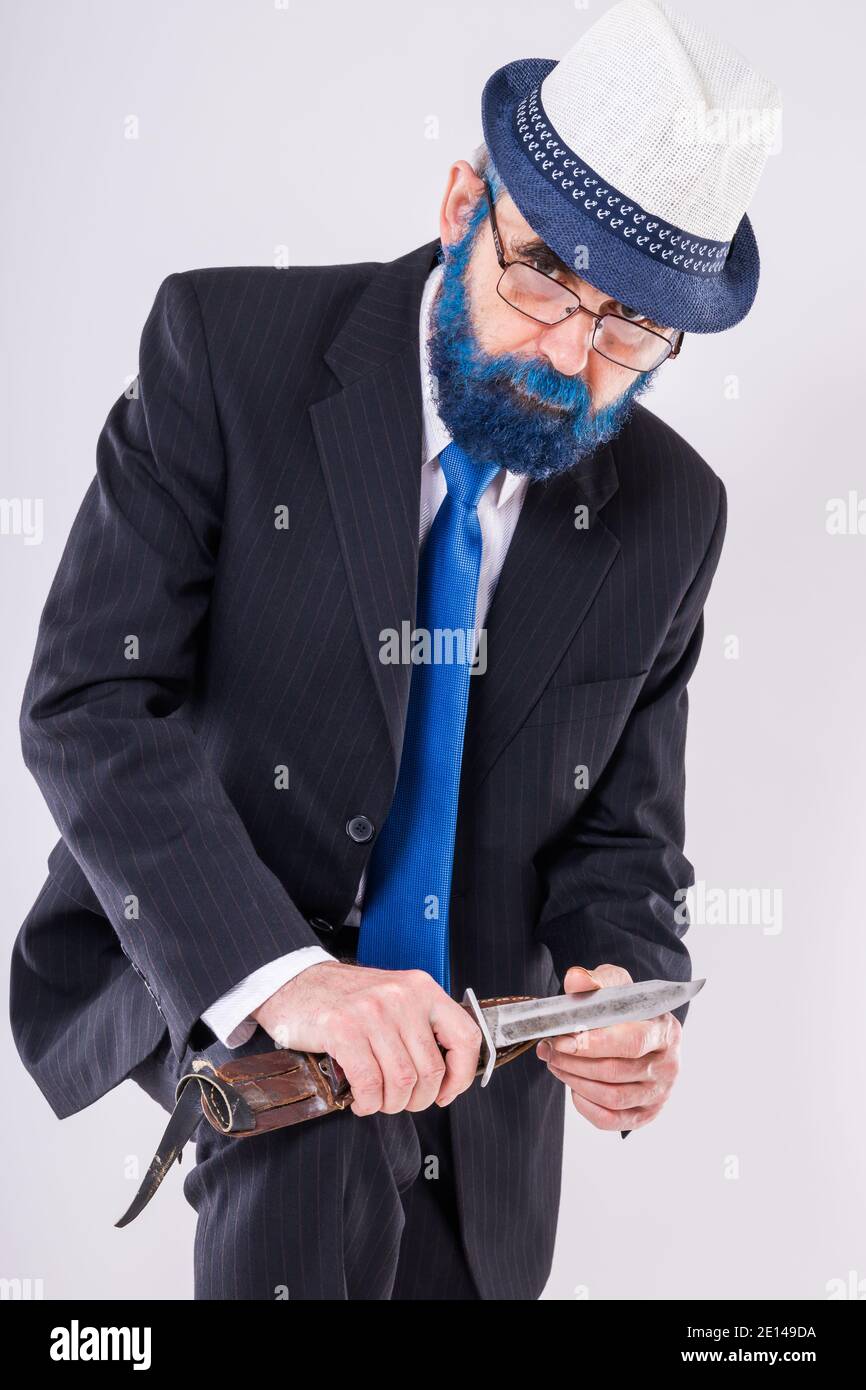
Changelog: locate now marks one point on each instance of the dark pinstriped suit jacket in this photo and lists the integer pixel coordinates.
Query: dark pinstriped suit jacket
(182, 866)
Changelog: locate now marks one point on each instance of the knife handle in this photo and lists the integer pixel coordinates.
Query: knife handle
(489, 1057)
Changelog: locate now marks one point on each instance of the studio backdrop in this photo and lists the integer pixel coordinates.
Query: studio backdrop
(143, 140)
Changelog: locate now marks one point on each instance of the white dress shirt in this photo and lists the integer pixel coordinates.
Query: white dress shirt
(498, 512)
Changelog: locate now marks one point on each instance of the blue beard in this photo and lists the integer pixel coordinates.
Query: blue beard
(519, 413)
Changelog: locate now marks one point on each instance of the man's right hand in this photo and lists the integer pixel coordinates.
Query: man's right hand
(386, 1028)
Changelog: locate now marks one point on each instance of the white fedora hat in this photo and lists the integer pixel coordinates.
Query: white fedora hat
(635, 157)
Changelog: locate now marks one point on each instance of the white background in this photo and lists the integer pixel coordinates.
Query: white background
(309, 127)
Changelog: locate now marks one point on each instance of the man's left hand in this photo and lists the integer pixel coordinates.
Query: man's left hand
(619, 1076)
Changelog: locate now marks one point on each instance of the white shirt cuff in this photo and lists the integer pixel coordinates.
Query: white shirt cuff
(229, 1017)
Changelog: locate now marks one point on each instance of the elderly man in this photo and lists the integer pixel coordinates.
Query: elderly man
(282, 823)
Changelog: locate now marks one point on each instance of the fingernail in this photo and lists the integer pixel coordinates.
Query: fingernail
(544, 1050)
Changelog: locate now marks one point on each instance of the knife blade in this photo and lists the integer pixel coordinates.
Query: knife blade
(503, 1025)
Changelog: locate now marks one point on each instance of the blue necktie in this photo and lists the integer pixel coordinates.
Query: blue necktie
(404, 923)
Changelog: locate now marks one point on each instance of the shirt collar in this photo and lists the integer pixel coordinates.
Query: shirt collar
(436, 433)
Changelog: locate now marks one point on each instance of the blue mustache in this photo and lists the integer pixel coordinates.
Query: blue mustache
(537, 381)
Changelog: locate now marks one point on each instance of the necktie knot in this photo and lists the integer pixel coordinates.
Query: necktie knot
(466, 478)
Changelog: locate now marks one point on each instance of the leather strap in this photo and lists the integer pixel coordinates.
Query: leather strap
(185, 1119)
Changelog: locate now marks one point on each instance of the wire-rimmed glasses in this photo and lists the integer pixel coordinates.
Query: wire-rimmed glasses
(539, 296)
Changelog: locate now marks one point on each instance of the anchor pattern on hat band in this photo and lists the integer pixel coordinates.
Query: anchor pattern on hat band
(664, 242)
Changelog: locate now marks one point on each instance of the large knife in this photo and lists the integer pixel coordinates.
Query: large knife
(251, 1095)
(530, 1020)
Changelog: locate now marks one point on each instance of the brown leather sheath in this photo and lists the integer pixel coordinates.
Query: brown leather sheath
(252, 1095)
(256, 1094)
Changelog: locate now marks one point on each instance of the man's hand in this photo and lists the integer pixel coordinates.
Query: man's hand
(384, 1027)
(619, 1076)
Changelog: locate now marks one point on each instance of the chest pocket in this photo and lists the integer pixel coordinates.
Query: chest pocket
(586, 702)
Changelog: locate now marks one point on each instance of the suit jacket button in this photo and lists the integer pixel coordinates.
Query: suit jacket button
(359, 829)
(322, 924)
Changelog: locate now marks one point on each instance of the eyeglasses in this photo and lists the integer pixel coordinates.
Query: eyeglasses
(537, 295)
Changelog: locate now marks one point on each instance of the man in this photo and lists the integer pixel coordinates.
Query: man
(278, 825)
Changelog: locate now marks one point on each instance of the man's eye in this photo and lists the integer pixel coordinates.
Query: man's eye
(546, 267)
(628, 313)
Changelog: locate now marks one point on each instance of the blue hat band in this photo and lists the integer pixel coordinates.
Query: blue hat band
(661, 241)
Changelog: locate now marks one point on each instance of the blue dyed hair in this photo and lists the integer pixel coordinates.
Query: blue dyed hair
(488, 170)
(549, 425)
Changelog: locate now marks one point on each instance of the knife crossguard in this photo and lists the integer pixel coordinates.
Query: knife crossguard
(487, 1056)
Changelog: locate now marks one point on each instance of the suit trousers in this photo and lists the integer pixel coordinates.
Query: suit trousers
(339, 1207)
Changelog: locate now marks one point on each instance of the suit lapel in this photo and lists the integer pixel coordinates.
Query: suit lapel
(369, 437)
(552, 572)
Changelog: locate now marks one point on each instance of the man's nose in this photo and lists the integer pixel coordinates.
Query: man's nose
(567, 344)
